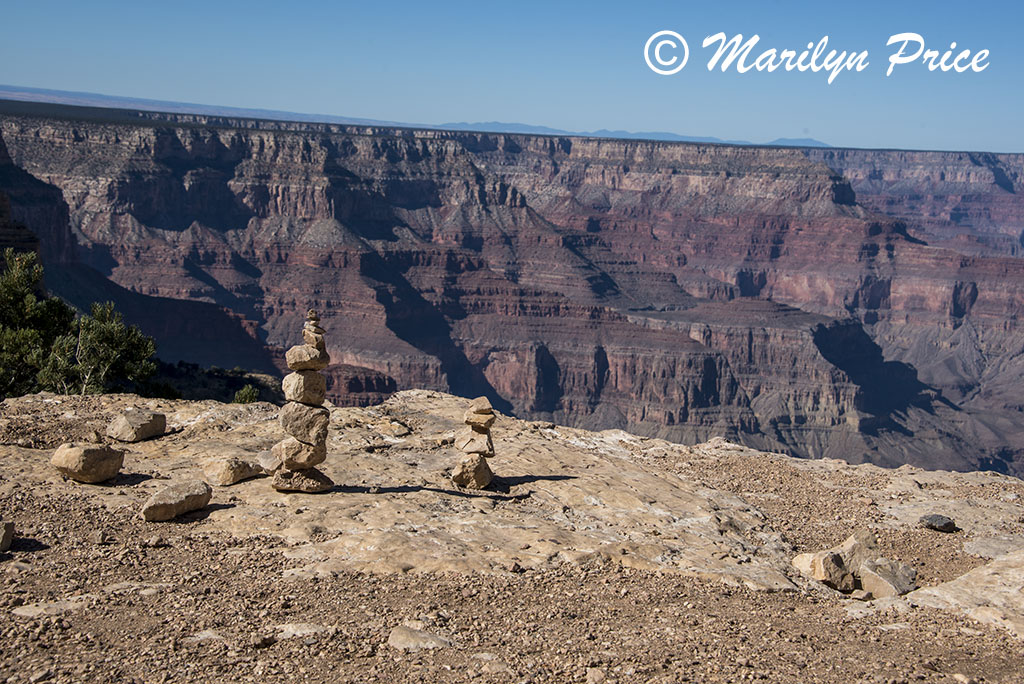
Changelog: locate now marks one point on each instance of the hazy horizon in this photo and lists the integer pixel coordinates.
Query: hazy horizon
(561, 67)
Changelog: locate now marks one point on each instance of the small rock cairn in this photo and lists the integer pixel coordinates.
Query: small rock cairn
(304, 418)
(472, 472)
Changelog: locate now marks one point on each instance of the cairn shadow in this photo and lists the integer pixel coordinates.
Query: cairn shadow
(527, 479)
(202, 514)
(25, 545)
(501, 495)
(127, 480)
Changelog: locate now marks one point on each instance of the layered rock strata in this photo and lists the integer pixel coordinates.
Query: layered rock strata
(675, 290)
(304, 418)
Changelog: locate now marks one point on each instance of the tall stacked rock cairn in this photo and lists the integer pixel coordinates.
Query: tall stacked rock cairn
(304, 418)
(472, 472)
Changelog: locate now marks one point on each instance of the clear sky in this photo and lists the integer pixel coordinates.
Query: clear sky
(570, 65)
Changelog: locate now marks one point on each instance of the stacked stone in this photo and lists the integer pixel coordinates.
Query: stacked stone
(304, 418)
(475, 441)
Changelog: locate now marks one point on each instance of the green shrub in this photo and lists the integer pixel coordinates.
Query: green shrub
(246, 395)
(43, 345)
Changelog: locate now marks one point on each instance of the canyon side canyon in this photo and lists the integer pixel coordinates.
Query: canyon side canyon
(823, 302)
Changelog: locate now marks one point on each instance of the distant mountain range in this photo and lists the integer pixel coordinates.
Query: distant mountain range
(66, 97)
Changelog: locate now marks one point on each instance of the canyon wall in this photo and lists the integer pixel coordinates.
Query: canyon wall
(673, 289)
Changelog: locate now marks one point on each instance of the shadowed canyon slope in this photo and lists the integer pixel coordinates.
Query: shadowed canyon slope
(788, 299)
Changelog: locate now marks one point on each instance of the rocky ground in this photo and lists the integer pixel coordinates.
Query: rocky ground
(595, 557)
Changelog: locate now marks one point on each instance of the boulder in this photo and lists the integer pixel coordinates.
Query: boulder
(228, 471)
(885, 578)
(480, 421)
(481, 405)
(307, 357)
(408, 639)
(305, 423)
(939, 523)
(305, 387)
(859, 547)
(135, 425)
(88, 463)
(472, 472)
(6, 535)
(177, 499)
(296, 455)
(826, 567)
(474, 441)
(310, 481)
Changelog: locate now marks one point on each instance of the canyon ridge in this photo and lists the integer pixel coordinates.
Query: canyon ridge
(820, 302)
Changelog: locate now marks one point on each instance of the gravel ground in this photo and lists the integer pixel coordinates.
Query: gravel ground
(184, 603)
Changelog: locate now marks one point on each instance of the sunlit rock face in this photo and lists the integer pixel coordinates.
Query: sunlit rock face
(672, 289)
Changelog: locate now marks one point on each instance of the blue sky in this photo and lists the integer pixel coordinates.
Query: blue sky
(576, 66)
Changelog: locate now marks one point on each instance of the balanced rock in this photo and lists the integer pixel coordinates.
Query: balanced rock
(6, 535)
(305, 423)
(135, 425)
(481, 405)
(479, 421)
(305, 387)
(307, 357)
(472, 472)
(88, 463)
(313, 335)
(177, 499)
(472, 441)
(296, 455)
(310, 481)
(228, 471)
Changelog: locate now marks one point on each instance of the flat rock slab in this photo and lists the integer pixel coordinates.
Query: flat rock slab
(59, 607)
(135, 425)
(294, 630)
(177, 499)
(410, 640)
(993, 594)
(88, 463)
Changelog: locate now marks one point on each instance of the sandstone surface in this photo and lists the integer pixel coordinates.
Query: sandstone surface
(676, 556)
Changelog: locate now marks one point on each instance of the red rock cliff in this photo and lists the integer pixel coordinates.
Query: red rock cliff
(673, 289)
